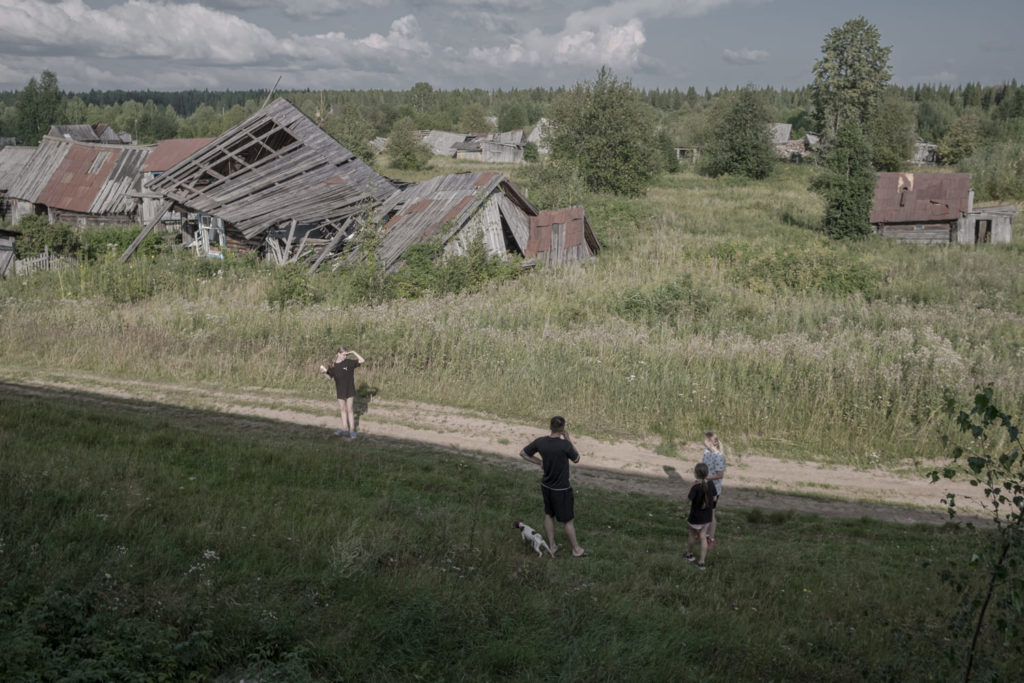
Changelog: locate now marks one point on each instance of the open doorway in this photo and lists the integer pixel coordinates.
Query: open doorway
(982, 231)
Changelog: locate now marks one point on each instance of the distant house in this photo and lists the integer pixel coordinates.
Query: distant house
(79, 182)
(96, 132)
(780, 133)
(687, 155)
(936, 208)
(536, 136)
(925, 153)
(493, 148)
(441, 143)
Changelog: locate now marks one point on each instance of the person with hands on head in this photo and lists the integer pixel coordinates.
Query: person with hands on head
(342, 370)
(556, 452)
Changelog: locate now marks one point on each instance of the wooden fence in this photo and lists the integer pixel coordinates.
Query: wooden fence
(45, 261)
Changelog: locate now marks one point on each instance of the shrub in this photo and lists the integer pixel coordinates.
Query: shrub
(37, 233)
(553, 185)
(406, 152)
(997, 171)
(530, 152)
(96, 242)
(292, 283)
(741, 140)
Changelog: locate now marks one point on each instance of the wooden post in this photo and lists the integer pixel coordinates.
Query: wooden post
(145, 231)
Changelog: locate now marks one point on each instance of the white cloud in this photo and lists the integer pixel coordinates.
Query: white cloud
(745, 56)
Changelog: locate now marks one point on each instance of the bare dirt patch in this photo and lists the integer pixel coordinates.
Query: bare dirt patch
(752, 480)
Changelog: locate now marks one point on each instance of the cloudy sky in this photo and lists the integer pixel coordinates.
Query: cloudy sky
(392, 44)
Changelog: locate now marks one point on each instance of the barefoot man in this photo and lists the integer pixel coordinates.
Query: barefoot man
(556, 451)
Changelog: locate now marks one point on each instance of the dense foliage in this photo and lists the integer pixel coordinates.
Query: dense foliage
(850, 76)
(847, 185)
(405, 150)
(741, 142)
(604, 130)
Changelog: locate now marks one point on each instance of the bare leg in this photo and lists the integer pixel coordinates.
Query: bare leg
(570, 531)
(350, 414)
(714, 525)
(691, 539)
(703, 544)
(344, 415)
(549, 527)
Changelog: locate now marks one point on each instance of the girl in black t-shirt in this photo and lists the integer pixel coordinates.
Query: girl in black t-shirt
(342, 371)
(702, 497)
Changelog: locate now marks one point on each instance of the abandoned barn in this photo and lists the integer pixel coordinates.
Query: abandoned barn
(12, 160)
(561, 236)
(936, 208)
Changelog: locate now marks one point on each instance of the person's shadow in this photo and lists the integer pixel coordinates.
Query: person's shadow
(361, 404)
(673, 474)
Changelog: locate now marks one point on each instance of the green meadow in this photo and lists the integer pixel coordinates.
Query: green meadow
(141, 541)
(713, 305)
(146, 542)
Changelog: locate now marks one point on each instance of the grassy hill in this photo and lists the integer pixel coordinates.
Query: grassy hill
(141, 542)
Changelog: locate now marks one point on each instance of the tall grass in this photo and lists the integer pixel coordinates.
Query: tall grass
(712, 305)
(141, 542)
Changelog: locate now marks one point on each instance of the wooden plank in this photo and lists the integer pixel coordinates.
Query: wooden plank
(145, 231)
(330, 246)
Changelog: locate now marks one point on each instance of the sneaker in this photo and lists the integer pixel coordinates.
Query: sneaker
(341, 432)
(351, 435)
(690, 557)
(700, 566)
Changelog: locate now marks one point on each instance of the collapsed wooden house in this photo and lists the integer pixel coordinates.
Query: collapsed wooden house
(277, 182)
(457, 209)
(936, 208)
(460, 208)
(80, 183)
(95, 132)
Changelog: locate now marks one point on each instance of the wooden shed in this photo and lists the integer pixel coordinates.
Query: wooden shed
(12, 162)
(457, 209)
(277, 168)
(561, 236)
(924, 208)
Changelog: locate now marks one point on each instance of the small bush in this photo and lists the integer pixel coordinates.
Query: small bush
(37, 233)
(115, 239)
(291, 283)
(530, 152)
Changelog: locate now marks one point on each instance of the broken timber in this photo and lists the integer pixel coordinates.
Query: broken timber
(145, 231)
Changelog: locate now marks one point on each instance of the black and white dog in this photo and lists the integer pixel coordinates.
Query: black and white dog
(531, 536)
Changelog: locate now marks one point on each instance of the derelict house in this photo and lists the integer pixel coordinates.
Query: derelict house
(81, 183)
(275, 180)
(936, 208)
(492, 147)
(95, 132)
(456, 209)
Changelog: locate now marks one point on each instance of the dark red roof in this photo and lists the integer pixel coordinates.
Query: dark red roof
(920, 197)
(540, 229)
(169, 152)
(78, 179)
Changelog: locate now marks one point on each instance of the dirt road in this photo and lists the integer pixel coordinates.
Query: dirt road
(752, 480)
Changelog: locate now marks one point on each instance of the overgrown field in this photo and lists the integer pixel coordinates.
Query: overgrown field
(141, 542)
(712, 306)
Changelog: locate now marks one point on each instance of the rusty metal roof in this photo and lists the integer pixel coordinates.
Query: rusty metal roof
(920, 197)
(561, 235)
(169, 152)
(95, 179)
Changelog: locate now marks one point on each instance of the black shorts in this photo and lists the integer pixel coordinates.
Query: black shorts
(558, 504)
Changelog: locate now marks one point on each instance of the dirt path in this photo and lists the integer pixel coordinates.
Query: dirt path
(752, 481)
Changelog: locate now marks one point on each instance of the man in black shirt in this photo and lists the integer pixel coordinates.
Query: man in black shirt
(556, 450)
